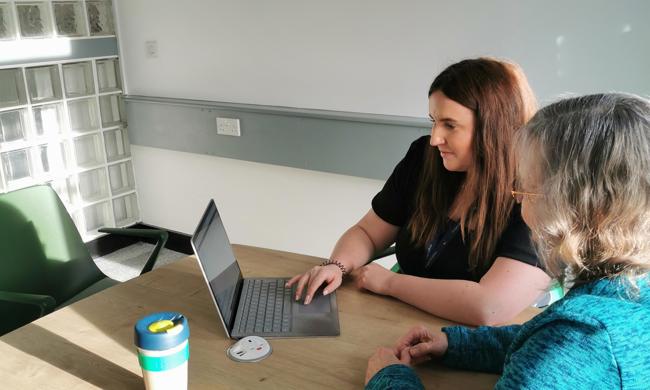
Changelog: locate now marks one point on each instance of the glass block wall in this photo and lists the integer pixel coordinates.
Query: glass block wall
(54, 18)
(63, 123)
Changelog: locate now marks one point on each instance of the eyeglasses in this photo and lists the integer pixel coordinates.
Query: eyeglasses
(519, 196)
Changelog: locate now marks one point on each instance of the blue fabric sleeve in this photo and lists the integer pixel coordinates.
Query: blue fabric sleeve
(395, 376)
(481, 349)
(562, 355)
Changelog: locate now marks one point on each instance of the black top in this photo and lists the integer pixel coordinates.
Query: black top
(447, 256)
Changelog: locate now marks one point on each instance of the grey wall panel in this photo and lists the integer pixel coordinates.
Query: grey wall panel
(79, 48)
(363, 145)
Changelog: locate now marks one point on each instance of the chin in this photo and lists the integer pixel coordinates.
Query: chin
(452, 167)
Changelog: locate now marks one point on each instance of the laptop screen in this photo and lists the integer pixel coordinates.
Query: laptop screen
(218, 262)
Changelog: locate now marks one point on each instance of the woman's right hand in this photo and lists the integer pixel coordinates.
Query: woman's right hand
(356, 245)
(421, 344)
(311, 280)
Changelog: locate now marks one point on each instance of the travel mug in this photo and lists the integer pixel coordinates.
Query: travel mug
(163, 350)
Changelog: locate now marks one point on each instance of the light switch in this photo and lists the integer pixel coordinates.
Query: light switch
(151, 49)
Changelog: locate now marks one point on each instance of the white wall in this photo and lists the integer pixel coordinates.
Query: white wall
(263, 205)
(375, 56)
(360, 56)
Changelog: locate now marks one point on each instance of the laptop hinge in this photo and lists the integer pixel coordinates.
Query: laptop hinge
(233, 317)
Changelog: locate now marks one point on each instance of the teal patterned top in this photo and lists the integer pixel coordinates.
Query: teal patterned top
(597, 337)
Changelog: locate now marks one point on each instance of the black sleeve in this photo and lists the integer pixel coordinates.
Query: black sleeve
(516, 242)
(395, 202)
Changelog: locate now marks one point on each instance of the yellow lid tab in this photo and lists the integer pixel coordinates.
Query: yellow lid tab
(160, 326)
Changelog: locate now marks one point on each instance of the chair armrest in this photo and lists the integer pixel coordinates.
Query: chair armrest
(45, 303)
(160, 236)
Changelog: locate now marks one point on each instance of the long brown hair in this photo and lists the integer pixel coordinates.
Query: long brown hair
(501, 99)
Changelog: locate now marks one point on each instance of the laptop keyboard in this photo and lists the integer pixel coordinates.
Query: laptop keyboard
(267, 307)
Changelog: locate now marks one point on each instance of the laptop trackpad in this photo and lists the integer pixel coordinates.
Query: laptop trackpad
(319, 305)
(319, 318)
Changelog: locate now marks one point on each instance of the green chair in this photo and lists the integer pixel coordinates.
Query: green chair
(44, 263)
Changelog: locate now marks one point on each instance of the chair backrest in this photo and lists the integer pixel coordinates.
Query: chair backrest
(41, 251)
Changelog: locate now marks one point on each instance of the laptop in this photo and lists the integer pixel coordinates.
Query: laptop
(260, 307)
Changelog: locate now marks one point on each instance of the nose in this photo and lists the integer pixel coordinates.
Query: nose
(436, 137)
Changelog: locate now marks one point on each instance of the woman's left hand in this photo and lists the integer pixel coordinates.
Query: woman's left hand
(384, 357)
(373, 277)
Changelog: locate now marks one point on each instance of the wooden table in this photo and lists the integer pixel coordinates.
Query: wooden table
(90, 343)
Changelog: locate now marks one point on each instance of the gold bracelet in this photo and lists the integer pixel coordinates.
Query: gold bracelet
(336, 263)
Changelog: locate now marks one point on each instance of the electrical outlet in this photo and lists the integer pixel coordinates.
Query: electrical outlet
(228, 126)
(151, 49)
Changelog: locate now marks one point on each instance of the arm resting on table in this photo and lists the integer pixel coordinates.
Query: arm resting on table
(45, 303)
(395, 376)
(160, 235)
(481, 349)
(504, 291)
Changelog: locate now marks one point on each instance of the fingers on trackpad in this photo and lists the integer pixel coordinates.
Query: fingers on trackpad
(320, 304)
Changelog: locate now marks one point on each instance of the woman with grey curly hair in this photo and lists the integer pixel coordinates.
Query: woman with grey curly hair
(584, 177)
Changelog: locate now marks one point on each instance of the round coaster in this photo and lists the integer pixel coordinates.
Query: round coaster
(249, 349)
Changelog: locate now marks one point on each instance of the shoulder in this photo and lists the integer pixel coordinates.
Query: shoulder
(414, 157)
(516, 221)
(395, 202)
(516, 242)
(594, 335)
(624, 317)
(413, 161)
(562, 351)
(516, 230)
(417, 148)
(602, 302)
(421, 142)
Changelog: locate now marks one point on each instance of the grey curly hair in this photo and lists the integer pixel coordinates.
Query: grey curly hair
(589, 157)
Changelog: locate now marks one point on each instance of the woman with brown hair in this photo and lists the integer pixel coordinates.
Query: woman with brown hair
(464, 252)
